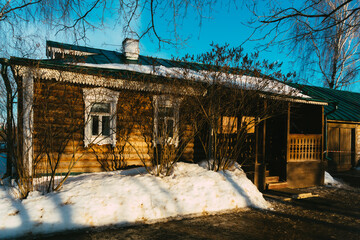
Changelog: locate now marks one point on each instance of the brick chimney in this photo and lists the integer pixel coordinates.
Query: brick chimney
(131, 48)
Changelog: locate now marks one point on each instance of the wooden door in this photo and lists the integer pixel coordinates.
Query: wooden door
(341, 147)
(333, 144)
(345, 146)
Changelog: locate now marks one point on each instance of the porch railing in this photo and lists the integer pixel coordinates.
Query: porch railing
(304, 147)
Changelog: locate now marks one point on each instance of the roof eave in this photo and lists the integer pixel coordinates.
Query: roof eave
(295, 99)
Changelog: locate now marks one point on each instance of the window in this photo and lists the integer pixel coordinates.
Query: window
(100, 119)
(166, 118)
(249, 123)
(228, 125)
(100, 116)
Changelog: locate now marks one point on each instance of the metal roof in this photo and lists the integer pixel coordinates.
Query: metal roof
(92, 56)
(102, 56)
(348, 103)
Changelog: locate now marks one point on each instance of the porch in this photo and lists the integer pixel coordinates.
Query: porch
(290, 149)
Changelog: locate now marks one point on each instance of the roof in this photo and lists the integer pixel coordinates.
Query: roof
(114, 66)
(101, 57)
(348, 103)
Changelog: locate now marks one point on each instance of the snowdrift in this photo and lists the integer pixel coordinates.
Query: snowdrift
(126, 197)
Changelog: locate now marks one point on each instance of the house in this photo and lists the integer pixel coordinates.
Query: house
(87, 110)
(342, 126)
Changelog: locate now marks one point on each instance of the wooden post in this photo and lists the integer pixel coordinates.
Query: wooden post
(322, 133)
(288, 134)
(357, 131)
(323, 162)
(263, 160)
(256, 165)
(260, 167)
(264, 138)
(256, 144)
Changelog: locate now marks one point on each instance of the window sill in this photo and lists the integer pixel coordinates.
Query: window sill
(100, 141)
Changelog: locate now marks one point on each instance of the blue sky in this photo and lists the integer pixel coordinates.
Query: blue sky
(222, 25)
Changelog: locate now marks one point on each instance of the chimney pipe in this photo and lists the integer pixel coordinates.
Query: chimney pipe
(131, 48)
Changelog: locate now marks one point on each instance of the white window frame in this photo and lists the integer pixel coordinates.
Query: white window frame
(168, 101)
(99, 95)
(100, 116)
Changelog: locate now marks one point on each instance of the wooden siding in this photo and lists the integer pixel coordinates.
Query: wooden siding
(59, 123)
(59, 130)
(186, 142)
(305, 174)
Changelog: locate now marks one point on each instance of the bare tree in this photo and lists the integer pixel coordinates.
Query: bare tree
(334, 51)
(78, 17)
(307, 11)
(233, 104)
(163, 124)
(325, 35)
(10, 90)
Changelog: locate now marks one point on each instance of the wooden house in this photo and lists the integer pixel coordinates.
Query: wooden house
(88, 109)
(342, 125)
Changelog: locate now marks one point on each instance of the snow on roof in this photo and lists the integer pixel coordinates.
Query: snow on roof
(125, 197)
(243, 81)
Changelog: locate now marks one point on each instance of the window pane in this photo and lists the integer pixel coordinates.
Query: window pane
(161, 127)
(106, 126)
(166, 112)
(170, 128)
(228, 125)
(100, 108)
(95, 125)
(249, 123)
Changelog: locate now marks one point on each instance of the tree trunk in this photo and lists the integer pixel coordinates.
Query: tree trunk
(9, 118)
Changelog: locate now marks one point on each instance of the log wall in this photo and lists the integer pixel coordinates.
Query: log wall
(59, 123)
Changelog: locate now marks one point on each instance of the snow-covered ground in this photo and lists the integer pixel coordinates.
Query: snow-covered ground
(125, 197)
(330, 181)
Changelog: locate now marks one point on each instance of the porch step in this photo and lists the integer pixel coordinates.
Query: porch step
(271, 179)
(267, 173)
(276, 185)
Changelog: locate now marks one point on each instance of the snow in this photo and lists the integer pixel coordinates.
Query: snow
(126, 197)
(330, 181)
(243, 81)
